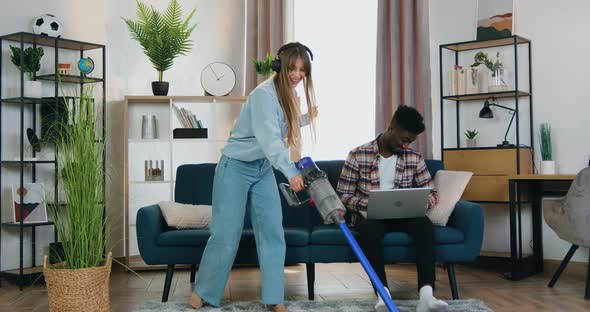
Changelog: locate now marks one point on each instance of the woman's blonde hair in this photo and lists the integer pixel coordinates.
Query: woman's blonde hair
(286, 94)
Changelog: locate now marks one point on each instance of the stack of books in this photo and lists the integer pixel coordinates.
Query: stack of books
(186, 118)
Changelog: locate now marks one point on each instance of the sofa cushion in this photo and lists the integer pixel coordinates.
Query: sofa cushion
(186, 216)
(199, 237)
(450, 186)
(331, 235)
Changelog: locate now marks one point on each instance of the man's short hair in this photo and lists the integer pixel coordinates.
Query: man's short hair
(409, 119)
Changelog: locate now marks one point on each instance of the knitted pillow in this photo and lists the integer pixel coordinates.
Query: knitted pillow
(450, 186)
(185, 216)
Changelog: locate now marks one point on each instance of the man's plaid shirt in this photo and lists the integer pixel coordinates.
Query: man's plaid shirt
(360, 175)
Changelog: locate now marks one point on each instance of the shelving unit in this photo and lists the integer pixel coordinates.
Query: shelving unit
(516, 159)
(28, 113)
(218, 115)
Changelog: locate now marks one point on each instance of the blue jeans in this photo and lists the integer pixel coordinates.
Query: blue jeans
(237, 184)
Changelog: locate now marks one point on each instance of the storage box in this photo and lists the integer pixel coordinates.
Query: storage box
(189, 133)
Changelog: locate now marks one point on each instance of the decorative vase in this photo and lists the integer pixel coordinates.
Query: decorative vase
(547, 167)
(76, 290)
(149, 127)
(471, 142)
(32, 89)
(497, 82)
(472, 81)
(160, 87)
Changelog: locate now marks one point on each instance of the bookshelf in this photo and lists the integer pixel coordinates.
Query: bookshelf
(217, 114)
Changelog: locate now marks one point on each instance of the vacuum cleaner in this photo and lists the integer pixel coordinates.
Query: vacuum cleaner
(329, 206)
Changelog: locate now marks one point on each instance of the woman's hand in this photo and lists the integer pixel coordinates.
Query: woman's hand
(297, 183)
(314, 112)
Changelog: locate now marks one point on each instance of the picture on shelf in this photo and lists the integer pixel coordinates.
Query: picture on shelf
(494, 19)
(33, 203)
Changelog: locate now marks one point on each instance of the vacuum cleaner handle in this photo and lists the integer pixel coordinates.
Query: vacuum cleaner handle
(291, 196)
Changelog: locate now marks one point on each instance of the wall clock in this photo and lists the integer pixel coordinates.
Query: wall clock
(218, 79)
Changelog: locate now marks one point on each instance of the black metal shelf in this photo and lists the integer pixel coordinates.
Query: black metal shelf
(484, 44)
(25, 100)
(16, 162)
(52, 41)
(24, 273)
(35, 224)
(69, 78)
(484, 96)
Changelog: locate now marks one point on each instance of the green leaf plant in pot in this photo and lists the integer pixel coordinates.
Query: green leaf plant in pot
(471, 138)
(81, 276)
(31, 63)
(547, 163)
(163, 37)
(264, 67)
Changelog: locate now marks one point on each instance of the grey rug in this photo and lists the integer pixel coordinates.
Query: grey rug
(471, 305)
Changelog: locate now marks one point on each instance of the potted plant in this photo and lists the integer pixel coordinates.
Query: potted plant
(471, 140)
(31, 64)
(163, 37)
(497, 82)
(264, 67)
(547, 163)
(81, 225)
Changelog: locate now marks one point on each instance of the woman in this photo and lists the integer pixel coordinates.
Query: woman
(244, 176)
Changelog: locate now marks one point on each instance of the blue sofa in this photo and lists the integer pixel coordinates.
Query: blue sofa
(308, 240)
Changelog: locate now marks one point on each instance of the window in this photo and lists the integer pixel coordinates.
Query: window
(342, 36)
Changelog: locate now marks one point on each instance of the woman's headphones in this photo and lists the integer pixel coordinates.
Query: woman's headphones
(276, 63)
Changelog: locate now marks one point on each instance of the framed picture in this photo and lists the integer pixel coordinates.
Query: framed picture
(495, 19)
(33, 205)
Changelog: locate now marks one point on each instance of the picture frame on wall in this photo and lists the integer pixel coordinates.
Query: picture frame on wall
(495, 19)
(33, 206)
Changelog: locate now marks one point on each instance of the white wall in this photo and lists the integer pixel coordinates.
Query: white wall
(560, 78)
(218, 37)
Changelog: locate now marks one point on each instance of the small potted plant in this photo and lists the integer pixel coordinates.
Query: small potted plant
(31, 64)
(471, 140)
(264, 67)
(163, 37)
(497, 82)
(547, 163)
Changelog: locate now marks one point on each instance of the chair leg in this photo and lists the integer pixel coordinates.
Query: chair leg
(562, 266)
(168, 282)
(587, 295)
(193, 272)
(310, 269)
(452, 281)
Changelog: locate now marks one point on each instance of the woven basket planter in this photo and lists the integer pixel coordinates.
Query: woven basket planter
(78, 290)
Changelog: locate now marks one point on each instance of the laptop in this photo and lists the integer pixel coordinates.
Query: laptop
(397, 203)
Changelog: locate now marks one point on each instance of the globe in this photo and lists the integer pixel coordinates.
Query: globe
(86, 65)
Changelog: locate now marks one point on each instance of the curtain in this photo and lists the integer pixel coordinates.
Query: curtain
(265, 33)
(403, 70)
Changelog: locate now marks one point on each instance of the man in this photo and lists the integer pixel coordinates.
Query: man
(386, 163)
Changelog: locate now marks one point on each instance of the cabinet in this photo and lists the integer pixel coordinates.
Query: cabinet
(218, 115)
(490, 163)
(21, 164)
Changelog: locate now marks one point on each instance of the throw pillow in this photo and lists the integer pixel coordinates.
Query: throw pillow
(185, 216)
(449, 186)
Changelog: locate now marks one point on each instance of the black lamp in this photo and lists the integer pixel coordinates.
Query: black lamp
(486, 112)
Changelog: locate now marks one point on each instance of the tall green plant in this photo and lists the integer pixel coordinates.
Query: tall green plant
(163, 36)
(81, 223)
(31, 59)
(545, 141)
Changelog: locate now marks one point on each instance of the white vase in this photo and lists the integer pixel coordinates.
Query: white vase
(32, 89)
(471, 142)
(547, 167)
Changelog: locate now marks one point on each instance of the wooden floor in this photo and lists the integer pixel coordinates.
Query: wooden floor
(333, 282)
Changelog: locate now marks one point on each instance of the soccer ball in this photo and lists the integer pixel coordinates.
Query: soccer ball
(47, 25)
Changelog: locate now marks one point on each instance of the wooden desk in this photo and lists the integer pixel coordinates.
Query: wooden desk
(535, 185)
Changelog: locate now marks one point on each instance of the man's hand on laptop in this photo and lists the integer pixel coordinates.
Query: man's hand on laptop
(432, 199)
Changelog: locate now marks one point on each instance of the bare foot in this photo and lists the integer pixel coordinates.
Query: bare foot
(195, 301)
(279, 308)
